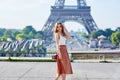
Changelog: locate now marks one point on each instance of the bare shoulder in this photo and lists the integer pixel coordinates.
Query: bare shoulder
(56, 35)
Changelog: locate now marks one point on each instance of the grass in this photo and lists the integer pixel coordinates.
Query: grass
(29, 60)
(105, 62)
(26, 60)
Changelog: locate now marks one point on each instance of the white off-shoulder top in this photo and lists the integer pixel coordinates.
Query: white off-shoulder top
(62, 40)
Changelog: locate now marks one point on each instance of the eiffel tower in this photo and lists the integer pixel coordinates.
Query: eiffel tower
(61, 13)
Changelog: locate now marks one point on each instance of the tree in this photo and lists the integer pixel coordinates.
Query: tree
(2, 32)
(85, 35)
(95, 34)
(108, 33)
(40, 34)
(28, 29)
(31, 35)
(118, 29)
(9, 34)
(21, 36)
(4, 38)
(115, 37)
(15, 33)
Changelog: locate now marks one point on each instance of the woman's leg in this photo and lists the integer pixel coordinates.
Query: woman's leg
(58, 75)
(63, 76)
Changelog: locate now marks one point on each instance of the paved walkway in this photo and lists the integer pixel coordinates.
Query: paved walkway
(47, 71)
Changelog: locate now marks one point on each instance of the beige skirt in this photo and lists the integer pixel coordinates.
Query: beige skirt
(63, 61)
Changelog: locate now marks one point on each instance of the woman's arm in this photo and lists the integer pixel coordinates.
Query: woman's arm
(57, 40)
(66, 32)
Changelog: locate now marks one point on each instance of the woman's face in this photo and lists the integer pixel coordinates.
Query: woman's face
(59, 28)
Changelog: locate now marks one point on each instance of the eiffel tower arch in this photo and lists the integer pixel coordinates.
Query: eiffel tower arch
(61, 13)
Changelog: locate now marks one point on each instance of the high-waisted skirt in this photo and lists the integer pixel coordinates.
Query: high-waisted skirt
(63, 61)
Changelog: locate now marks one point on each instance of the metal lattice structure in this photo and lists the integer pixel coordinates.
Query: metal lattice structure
(61, 13)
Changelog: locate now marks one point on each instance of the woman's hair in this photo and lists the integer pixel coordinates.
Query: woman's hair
(55, 28)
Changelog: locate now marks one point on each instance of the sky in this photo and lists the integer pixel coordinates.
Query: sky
(16, 14)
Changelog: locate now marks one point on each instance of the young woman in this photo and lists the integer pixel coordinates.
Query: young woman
(63, 61)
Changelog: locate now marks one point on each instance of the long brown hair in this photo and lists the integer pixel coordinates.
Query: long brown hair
(55, 28)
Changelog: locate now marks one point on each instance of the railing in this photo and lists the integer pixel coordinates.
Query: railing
(70, 7)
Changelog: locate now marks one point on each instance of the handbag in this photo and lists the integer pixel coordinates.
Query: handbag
(54, 56)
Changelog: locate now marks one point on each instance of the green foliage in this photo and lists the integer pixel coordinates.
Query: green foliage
(16, 32)
(27, 33)
(29, 60)
(29, 29)
(30, 33)
(115, 37)
(118, 29)
(84, 35)
(8, 33)
(95, 34)
(4, 38)
(11, 33)
(96, 50)
(2, 32)
(38, 35)
(21, 36)
(108, 32)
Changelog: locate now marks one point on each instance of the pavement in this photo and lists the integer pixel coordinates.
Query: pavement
(47, 71)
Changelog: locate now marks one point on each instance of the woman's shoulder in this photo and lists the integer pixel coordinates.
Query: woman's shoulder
(56, 34)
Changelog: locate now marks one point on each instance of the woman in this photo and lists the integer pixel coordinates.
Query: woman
(63, 61)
